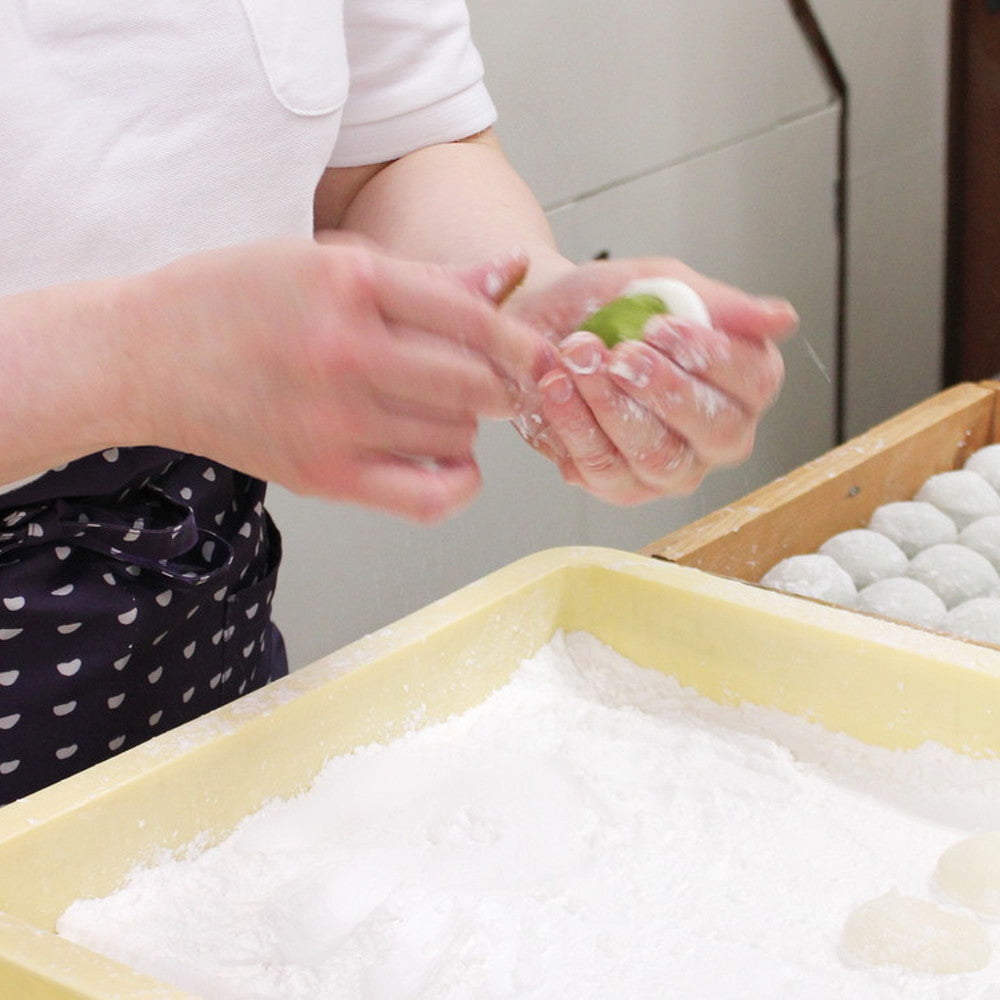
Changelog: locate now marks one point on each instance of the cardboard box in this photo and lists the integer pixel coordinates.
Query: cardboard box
(839, 490)
(880, 682)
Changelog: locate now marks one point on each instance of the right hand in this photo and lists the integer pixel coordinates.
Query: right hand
(332, 369)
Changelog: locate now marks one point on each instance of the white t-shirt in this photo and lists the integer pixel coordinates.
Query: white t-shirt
(134, 133)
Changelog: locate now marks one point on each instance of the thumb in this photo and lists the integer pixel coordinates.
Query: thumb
(497, 278)
(750, 316)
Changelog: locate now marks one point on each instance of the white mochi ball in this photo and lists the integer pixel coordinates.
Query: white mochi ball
(904, 600)
(983, 536)
(914, 934)
(913, 525)
(986, 461)
(961, 494)
(866, 555)
(812, 575)
(969, 872)
(955, 573)
(977, 619)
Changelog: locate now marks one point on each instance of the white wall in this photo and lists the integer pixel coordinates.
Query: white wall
(895, 58)
(699, 128)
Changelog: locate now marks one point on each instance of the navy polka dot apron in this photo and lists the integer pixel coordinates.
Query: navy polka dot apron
(135, 594)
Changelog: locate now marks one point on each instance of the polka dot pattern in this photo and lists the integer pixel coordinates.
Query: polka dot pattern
(138, 605)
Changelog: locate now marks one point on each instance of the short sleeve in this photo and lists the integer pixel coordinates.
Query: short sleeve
(416, 78)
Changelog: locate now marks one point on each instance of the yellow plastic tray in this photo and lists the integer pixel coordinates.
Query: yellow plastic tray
(884, 683)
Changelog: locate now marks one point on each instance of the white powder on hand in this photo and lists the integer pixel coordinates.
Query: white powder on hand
(592, 830)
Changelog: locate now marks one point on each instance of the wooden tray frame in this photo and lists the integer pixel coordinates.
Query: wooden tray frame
(839, 490)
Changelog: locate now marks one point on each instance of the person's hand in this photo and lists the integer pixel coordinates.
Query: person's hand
(332, 369)
(650, 418)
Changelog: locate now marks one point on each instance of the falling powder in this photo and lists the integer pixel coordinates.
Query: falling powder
(592, 830)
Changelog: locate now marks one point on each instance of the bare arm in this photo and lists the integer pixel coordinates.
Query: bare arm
(66, 385)
(335, 370)
(630, 424)
(456, 204)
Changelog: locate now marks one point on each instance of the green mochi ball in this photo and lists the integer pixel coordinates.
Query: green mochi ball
(624, 318)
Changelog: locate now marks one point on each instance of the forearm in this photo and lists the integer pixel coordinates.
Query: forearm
(458, 203)
(64, 388)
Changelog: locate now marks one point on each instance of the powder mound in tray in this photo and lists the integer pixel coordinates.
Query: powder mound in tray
(592, 830)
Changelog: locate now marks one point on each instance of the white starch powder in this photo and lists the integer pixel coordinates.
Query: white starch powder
(592, 831)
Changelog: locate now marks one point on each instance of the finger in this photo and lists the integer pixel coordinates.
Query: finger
(589, 459)
(421, 491)
(419, 369)
(750, 371)
(745, 315)
(435, 300)
(655, 452)
(717, 429)
(496, 279)
(592, 458)
(419, 435)
(531, 424)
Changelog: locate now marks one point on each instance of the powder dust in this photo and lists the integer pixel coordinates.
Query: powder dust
(592, 830)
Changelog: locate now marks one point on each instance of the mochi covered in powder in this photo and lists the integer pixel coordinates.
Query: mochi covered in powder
(915, 934)
(866, 555)
(812, 575)
(961, 494)
(913, 525)
(955, 573)
(977, 619)
(983, 536)
(986, 462)
(903, 599)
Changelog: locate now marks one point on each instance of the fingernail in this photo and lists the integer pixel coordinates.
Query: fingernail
(582, 357)
(631, 367)
(558, 388)
(505, 272)
(777, 306)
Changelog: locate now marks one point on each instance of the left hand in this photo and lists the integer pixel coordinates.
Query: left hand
(650, 418)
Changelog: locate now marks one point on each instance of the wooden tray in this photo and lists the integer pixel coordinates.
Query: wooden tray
(839, 490)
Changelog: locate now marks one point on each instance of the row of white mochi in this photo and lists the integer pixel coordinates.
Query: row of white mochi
(932, 561)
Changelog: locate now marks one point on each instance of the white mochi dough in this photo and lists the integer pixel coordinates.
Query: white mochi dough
(969, 872)
(978, 619)
(986, 461)
(914, 934)
(913, 525)
(812, 575)
(961, 494)
(903, 599)
(679, 298)
(955, 573)
(983, 536)
(866, 555)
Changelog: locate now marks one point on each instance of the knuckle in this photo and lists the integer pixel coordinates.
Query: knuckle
(598, 463)
(667, 461)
